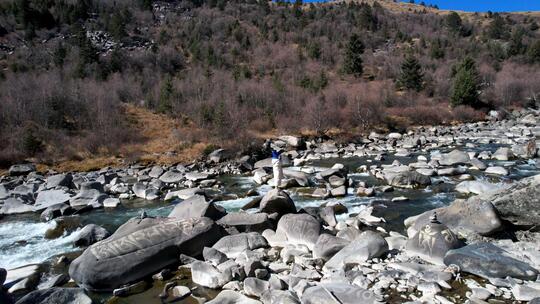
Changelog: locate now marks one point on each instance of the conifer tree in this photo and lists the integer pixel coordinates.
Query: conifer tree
(353, 56)
(411, 76)
(466, 84)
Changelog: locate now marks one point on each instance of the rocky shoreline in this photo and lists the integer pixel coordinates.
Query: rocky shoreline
(483, 247)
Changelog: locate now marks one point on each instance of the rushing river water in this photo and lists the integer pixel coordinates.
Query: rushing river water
(22, 238)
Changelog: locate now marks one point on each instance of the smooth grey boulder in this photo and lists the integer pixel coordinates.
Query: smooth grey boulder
(140, 248)
(232, 297)
(455, 157)
(15, 206)
(476, 187)
(503, 153)
(21, 169)
(300, 177)
(520, 203)
(197, 176)
(195, 207)
(274, 296)
(295, 229)
(156, 172)
(255, 287)
(489, 261)
(91, 185)
(234, 245)
(478, 164)
(366, 246)
(59, 180)
(246, 222)
(407, 179)
(183, 193)
(277, 201)
(171, 177)
(464, 217)
(55, 211)
(48, 198)
(205, 274)
(54, 281)
(88, 197)
(214, 256)
(344, 293)
(56, 295)
(432, 242)
(89, 235)
(327, 245)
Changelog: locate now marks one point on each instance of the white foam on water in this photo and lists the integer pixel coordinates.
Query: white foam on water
(234, 204)
(23, 243)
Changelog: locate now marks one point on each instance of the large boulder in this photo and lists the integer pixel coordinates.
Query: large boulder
(55, 211)
(232, 297)
(59, 180)
(503, 153)
(197, 206)
(234, 245)
(21, 169)
(15, 206)
(90, 234)
(407, 179)
(366, 246)
(338, 293)
(327, 245)
(56, 295)
(455, 157)
(432, 242)
(205, 274)
(277, 201)
(465, 217)
(142, 247)
(520, 203)
(476, 187)
(489, 261)
(48, 198)
(246, 222)
(295, 229)
(171, 177)
(88, 197)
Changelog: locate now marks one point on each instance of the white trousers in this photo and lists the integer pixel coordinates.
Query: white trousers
(278, 172)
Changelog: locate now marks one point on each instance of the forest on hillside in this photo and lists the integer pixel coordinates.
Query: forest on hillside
(228, 70)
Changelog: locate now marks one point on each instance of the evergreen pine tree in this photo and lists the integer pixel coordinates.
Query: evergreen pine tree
(466, 84)
(411, 76)
(353, 56)
(453, 22)
(533, 53)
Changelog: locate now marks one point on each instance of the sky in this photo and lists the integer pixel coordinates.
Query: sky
(486, 5)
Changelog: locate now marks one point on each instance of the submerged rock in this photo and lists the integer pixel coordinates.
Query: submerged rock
(140, 248)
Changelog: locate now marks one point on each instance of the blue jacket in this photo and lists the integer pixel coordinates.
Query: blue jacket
(275, 154)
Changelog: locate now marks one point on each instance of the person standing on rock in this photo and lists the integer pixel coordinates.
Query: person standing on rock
(276, 166)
